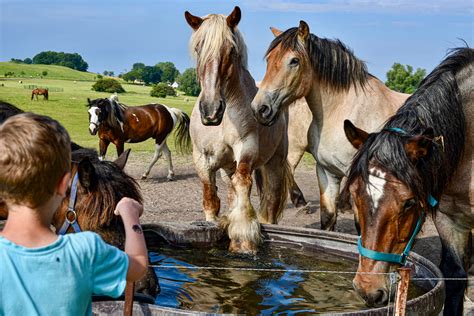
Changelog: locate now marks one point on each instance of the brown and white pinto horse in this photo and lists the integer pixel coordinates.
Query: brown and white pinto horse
(423, 154)
(39, 91)
(226, 136)
(119, 124)
(337, 86)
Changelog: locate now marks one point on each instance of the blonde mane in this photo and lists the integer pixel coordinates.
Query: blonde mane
(207, 41)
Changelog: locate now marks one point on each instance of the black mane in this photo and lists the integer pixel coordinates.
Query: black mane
(333, 62)
(436, 104)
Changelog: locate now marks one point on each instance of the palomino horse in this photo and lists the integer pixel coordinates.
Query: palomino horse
(39, 91)
(226, 136)
(337, 86)
(119, 124)
(99, 187)
(423, 155)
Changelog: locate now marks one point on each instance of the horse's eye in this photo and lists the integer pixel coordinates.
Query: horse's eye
(408, 204)
(294, 62)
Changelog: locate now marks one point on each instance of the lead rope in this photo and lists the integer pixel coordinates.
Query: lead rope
(393, 280)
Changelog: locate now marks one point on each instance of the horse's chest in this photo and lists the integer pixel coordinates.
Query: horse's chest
(332, 155)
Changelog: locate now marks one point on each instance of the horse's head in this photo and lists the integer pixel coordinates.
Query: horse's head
(220, 51)
(100, 186)
(99, 110)
(388, 201)
(288, 76)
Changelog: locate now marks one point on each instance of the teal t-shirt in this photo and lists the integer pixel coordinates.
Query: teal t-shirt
(59, 279)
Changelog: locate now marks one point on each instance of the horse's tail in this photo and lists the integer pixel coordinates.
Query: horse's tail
(265, 191)
(183, 139)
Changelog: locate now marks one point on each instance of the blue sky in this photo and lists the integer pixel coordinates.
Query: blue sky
(112, 35)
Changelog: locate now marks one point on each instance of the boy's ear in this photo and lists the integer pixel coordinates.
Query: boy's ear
(87, 174)
(121, 161)
(418, 146)
(355, 135)
(63, 184)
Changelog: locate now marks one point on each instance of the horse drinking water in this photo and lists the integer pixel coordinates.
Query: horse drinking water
(337, 86)
(226, 136)
(118, 124)
(420, 162)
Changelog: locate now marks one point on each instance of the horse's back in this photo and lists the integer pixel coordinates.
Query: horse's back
(150, 120)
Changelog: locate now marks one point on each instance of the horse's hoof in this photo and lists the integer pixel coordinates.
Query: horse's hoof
(170, 179)
(304, 210)
(144, 177)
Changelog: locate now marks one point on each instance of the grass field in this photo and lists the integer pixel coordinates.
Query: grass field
(69, 106)
(54, 72)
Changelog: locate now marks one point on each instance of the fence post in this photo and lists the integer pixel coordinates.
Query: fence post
(402, 291)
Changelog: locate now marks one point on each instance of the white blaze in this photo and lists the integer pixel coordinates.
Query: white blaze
(94, 118)
(376, 185)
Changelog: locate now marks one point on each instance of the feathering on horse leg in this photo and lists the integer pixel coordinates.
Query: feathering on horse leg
(329, 186)
(244, 228)
(156, 156)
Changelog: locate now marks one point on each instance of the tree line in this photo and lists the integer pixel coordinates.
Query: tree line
(73, 61)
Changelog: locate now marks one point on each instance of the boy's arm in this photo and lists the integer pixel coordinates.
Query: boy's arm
(135, 247)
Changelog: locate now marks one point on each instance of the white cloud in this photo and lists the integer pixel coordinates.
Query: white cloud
(460, 7)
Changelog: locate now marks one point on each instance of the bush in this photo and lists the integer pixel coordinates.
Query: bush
(161, 90)
(9, 74)
(45, 73)
(108, 85)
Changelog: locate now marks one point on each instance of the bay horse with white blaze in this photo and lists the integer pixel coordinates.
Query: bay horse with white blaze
(337, 86)
(421, 161)
(118, 124)
(226, 136)
(39, 91)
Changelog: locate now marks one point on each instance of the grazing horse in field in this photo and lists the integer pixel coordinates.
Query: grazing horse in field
(421, 161)
(226, 136)
(100, 185)
(39, 91)
(119, 124)
(336, 86)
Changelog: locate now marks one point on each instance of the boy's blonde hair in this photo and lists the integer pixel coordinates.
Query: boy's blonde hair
(35, 153)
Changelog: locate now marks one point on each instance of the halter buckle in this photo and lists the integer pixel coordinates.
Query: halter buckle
(71, 211)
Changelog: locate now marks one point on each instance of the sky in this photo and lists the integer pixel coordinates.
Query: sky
(112, 35)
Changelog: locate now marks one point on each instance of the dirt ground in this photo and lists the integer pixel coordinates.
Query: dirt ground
(181, 200)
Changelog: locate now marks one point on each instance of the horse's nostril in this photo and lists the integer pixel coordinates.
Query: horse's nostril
(265, 110)
(380, 297)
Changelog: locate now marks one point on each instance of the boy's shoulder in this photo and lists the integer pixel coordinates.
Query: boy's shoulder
(88, 241)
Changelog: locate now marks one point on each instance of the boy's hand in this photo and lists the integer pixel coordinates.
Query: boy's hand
(129, 207)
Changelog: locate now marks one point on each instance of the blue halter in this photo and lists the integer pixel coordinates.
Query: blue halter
(392, 257)
(70, 210)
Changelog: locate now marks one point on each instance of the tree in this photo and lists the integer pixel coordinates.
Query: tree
(16, 61)
(188, 82)
(151, 74)
(138, 66)
(108, 85)
(403, 79)
(168, 71)
(28, 61)
(73, 61)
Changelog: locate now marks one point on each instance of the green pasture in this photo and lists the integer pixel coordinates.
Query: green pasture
(54, 72)
(69, 106)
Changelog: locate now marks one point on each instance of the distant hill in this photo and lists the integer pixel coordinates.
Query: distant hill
(36, 70)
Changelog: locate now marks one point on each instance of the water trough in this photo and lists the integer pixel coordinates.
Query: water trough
(202, 235)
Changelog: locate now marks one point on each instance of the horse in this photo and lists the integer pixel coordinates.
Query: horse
(336, 86)
(118, 124)
(99, 187)
(226, 136)
(421, 161)
(39, 91)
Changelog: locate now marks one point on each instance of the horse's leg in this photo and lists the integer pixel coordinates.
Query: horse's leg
(156, 156)
(455, 256)
(277, 178)
(294, 158)
(244, 228)
(226, 175)
(119, 145)
(210, 202)
(103, 144)
(167, 153)
(328, 192)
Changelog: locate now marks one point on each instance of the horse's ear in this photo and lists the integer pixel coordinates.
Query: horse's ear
(275, 31)
(355, 135)
(193, 21)
(303, 31)
(234, 18)
(121, 161)
(87, 174)
(419, 146)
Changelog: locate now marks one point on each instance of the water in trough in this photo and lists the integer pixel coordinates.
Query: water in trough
(257, 292)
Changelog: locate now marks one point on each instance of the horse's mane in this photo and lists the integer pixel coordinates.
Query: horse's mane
(436, 104)
(333, 62)
(112, 184)
(207, 41)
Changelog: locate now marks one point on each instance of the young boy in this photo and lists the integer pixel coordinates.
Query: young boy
(42, 273)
